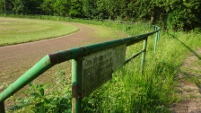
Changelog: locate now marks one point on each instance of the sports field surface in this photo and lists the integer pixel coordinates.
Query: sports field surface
(16, 59)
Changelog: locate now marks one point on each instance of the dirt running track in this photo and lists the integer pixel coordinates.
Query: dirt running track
(16, 59)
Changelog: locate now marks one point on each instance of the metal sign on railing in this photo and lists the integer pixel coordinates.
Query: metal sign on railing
(98, 67)
(92, 66)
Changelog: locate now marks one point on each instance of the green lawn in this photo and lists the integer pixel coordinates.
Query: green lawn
(15, 30)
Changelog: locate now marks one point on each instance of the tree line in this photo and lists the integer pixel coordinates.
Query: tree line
(171, 14)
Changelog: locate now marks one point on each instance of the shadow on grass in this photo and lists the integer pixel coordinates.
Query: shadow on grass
(186, 46)
(193, 78)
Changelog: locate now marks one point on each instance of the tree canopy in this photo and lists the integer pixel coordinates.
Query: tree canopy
(172, 14)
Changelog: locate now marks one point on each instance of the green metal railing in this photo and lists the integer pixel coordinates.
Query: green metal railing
(77, 54)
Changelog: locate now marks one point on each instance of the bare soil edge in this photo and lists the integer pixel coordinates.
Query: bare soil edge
(189, 85)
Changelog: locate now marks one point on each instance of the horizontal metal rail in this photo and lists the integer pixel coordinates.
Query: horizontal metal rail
(52, 59)
(135, 55)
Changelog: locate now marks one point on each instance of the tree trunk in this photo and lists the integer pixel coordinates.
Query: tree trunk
(152, 19)
(5, 7)
(153, 15)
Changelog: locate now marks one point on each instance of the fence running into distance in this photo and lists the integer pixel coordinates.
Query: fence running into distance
(94, 63)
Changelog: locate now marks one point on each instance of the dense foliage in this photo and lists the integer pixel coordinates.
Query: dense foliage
(172, 14)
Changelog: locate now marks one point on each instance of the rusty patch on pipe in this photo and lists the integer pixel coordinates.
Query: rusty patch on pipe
(76, 92)
(59, 57)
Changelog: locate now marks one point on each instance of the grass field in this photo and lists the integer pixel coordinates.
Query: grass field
(15, 30)
(21, 30)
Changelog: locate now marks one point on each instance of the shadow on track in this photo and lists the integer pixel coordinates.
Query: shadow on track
(186, 46)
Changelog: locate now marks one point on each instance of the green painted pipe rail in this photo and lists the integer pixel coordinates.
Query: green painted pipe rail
(52, 59)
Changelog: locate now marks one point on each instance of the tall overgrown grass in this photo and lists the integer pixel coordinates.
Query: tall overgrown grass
(128, 91)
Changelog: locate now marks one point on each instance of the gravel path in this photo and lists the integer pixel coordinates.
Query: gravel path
(16, 59)
(190, 85)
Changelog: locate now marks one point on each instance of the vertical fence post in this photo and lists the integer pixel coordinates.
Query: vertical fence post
(143, 55)
(76, 86)
(2, 107)
(156, 39)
